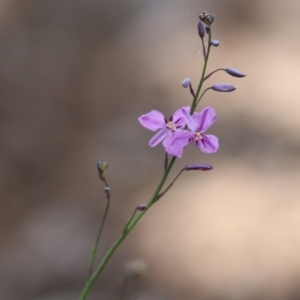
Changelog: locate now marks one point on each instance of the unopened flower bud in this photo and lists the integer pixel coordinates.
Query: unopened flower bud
(201, 30)
(215, 43)
(107, 190)
(208, 29)
(234, 72)
(141, 207)
(200, 167)
(185, 82)
(102, 166)
(223, 87)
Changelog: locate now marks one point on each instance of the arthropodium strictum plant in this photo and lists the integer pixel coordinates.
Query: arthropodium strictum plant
(184, 127)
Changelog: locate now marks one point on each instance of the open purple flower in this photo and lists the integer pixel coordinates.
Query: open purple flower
(166, 130)
(198, 124)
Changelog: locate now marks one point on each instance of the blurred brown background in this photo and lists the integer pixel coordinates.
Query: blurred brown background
(74, 78)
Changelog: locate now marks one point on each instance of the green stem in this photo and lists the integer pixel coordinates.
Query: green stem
(95, 248)
(194, 104)
(116, 244)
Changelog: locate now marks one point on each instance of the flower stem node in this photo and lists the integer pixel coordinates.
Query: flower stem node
(215, 43)
(186, 82)
(223, 87)
(198, 167)
(234, 73)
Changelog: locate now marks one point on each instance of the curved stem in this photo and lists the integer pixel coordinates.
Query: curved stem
(116, 244)
(170, 185)
(202, 95)
(208, 75)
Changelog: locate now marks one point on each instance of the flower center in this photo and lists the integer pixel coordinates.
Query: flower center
(171, 125)
(198, 136)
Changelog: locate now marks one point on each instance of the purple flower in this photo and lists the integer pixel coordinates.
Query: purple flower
(198, 124)
(166, 130)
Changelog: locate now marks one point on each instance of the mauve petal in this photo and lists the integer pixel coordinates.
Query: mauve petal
(177, 143)
(168, 140)
(181, 139)
(178, 115)
(153, 120)
(208, 144)
(158, 137)
(189, 120)
(205, 119)
(175, 151)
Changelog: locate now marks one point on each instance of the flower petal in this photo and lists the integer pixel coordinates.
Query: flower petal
(175, 151)
(168, 140)
(188, 119)
(153, 120)
(205, 118)
(208, 144)
(158, 137)
(179, 118)
(177, 142)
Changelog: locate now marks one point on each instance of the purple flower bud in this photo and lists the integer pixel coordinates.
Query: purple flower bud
(201, 30)
(107, 190)
(186, 82)
(201, 167)
(223, 87)
(208, 30)
(215, 43)
(234, 72)
(141, 207)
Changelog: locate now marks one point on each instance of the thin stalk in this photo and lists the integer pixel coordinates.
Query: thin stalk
(115, 246)
(95, 248)
(202, 95)
(170, 185)
(208, 75)
(194, 105)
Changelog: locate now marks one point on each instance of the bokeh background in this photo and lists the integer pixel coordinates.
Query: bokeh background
(74, 78)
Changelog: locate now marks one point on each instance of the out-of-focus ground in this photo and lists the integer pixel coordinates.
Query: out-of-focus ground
(74, 78)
